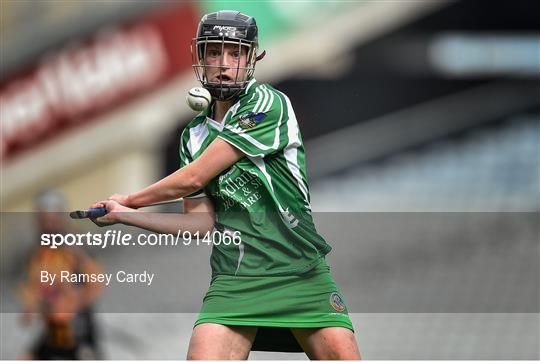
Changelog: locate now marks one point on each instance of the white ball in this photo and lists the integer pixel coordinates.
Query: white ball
(198, 98)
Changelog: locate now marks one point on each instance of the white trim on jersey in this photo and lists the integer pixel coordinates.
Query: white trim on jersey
(269, 104)
(291, 151)
(251, 98)
(259, 100)
(240, 256)
(215, 124)
(219, 125)
(197, 135)
(183, 153)
(259, 162)
(291, 156)
(251, 82)
(261, 165)
(232, 110)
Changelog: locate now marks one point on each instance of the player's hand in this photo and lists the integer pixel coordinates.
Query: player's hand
(121, 199)
(114, 212)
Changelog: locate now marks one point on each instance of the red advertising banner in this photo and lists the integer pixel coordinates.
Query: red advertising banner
(72, 85)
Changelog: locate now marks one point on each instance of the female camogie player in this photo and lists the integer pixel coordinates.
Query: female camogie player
(243, 173)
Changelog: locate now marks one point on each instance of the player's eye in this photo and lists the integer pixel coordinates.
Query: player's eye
(212, 53)
(236, 55)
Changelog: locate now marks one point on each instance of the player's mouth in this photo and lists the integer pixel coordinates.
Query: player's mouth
(223, 78)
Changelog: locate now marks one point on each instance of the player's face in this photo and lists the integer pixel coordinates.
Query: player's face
(226, 68)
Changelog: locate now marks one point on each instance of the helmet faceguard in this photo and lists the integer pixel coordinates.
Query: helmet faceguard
(225, 28)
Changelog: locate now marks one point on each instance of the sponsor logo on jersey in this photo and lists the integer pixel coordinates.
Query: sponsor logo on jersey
(250, 120)
(238, 190)
(337, 302)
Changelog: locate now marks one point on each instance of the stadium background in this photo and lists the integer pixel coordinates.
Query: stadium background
(422, 108)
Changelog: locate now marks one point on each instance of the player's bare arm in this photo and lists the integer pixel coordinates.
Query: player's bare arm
(198, 216)
(217, 157)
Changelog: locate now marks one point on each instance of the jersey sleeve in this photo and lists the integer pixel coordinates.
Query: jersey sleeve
(186, 159)
(259, 126)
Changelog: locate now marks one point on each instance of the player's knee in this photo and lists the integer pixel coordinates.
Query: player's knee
(340, 344)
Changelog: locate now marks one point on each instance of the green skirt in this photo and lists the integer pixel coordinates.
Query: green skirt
(275, 304)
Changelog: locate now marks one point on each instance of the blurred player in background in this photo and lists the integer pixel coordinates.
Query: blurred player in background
(243, 172)
(64, 308)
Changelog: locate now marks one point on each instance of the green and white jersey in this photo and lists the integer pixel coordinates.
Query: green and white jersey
(264, 197)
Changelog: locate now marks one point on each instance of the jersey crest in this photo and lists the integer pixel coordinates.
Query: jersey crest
(250, 120)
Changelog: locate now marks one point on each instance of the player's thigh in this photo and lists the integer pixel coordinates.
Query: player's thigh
(216, 341)
(328, 343)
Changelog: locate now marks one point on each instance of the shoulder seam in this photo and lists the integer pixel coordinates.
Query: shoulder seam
(264, 98)
(269, 102)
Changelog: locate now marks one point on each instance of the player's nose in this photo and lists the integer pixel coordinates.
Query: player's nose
(226, 61)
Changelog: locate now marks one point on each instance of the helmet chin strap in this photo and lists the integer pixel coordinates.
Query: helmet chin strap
(221, 93)
(260, 56)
